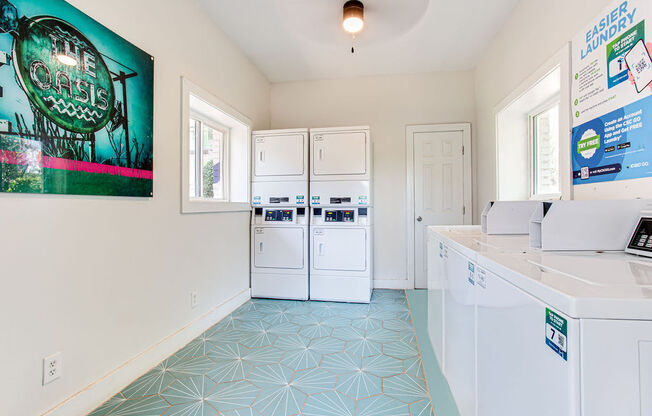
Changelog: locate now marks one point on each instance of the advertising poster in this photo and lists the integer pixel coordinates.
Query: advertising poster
(76, 104)
(612, 95)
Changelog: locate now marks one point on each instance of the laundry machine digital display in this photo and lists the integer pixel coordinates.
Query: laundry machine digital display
(641, 241)
(279, 215)
(339, 216)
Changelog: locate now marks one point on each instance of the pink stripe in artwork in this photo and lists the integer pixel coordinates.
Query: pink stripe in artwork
(14, 158)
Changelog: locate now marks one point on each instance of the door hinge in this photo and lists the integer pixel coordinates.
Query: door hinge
(462, 150)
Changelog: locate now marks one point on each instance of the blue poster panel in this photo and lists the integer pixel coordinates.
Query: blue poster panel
(611, 95)
(76, 104)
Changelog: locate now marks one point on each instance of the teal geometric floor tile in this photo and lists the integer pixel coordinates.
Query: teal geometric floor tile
(195, 348)
(405, 388)
(348, 334)
(199, 408)
(398, 325)
(382, 365)
(298, 354)
(382, 405)
(232, 395)
(109, 405)
(383, 335)
(281, 400)
(327, 345)
(314, 380)
(401, 350)
(363, 347)
(414, 367)
(193, 366)
(151, 383)
(331, 403)
(341, 363)
(285, 328)
(367, 323)
(359, 385)
(142, 406)
(264, 356)
(187, 390)
(282, 358)
(421, 408)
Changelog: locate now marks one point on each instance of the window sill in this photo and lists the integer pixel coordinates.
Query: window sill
(198, 206)
(550, 197)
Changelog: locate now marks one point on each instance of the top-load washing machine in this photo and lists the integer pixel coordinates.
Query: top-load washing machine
(280, 217)
(341, 215)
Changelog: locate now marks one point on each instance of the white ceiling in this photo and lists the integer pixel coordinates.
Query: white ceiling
(303, 39)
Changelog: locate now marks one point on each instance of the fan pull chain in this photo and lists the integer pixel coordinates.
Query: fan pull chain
(353, 43)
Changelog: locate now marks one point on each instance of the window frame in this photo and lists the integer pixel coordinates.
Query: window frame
(224, 152)
(545, 106)
(243, 146)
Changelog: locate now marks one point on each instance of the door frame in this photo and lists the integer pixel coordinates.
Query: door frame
(410, 130)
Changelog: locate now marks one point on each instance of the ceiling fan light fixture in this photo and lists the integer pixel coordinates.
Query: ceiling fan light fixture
(353, 17)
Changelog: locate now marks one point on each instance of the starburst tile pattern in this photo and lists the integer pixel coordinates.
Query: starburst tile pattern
(286, 358)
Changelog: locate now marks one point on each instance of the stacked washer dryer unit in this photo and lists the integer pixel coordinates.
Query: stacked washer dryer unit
(341, 266)
(279, 221)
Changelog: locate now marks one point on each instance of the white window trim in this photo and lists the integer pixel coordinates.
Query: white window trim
(561, 59)
(196, 205)
(531, 149)
(226, 134)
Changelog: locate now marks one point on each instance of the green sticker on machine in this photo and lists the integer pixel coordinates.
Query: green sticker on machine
(557, 333)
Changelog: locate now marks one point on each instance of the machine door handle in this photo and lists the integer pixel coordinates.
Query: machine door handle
(260, 247)
(321, 154)
(261, 155)
(419, 218)
(321, 249)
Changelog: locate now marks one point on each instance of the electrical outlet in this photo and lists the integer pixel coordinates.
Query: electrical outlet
(194, 302)
(52, 368)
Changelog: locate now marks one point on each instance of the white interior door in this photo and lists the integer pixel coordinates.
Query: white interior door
(280, 248)
(341, 249)
(339, 153)
(439, 189)
(279, 155)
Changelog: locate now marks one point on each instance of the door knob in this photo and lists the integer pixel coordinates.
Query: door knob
(419, 219)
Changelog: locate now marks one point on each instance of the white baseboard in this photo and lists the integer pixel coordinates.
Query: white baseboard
(392, 284)
(111, 383)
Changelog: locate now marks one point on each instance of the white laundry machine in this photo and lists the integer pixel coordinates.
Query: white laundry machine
(280, 217)
(341, 266)
(279, 253)
(341, 214)
(340, 154)
(280, 155)
(544, 333)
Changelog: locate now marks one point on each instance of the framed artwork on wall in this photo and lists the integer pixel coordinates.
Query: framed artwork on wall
(76, 104)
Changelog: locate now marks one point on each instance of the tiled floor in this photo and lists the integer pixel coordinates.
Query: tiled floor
(281, 358)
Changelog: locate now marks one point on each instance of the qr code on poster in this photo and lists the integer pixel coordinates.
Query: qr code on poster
(584, 172)
(641, 66)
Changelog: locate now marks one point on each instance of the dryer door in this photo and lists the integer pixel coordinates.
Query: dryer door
(343, 249)
(278, 247)
(279, 155)
(340, 153)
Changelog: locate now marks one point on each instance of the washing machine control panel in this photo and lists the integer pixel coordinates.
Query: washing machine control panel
(641, 241)
(279, 215)
(339, 215)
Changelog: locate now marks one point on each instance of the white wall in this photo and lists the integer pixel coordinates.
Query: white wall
(102, 279)
(533, 33)
(387, 104)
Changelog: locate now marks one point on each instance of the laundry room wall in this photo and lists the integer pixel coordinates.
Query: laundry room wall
(387, 104)
(534, 32)
(104, 279)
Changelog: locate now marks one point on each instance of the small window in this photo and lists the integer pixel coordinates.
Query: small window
(215, 154)
(208, 160)
(544, 145)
